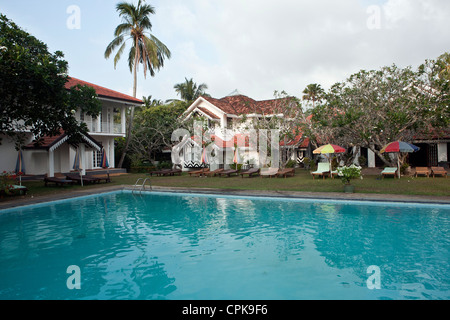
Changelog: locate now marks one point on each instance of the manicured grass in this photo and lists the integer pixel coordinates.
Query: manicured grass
(302, 181)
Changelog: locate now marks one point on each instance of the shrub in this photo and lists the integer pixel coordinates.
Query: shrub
(349, 173)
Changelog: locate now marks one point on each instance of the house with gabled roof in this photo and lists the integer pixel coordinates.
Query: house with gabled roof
(53, 155)
(228, 120)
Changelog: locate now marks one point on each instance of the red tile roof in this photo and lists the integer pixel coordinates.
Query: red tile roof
(47, 142)
(208, 113)
(240, 104)
(103, 92)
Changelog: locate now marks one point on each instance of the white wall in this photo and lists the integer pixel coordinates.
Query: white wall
(8, 155)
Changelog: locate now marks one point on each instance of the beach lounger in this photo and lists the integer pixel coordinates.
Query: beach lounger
(250, 172)
(422, 171)
(169, 172)
(389, 171)
(86, 179)
(286, 172)
(213, 173)
(175, 171)
(438, 171)
(323, 169)
(199, 172)
(268, 172)
(58, 181)
(159, 172)
(228, 173)
(105, 177)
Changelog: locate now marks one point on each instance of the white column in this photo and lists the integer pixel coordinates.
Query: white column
(370, 158)
(51, 164)
(123, 119)
(111, 154)
(99, 122)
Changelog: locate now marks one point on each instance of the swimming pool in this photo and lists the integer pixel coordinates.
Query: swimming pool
(194, 246)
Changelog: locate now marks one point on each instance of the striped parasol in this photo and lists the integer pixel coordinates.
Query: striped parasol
(329, 148)
(20, 166)
(399, 147)
(236, 158)
(104, 161)
(77, 164)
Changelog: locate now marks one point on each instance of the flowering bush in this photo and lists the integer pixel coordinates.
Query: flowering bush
(7, 180)
(349, 173)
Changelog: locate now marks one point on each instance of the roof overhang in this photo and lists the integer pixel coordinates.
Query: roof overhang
(58, 142)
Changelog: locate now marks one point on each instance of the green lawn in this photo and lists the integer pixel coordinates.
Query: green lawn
(302, 181)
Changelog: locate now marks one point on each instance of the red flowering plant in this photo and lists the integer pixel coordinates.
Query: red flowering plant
(7, 180)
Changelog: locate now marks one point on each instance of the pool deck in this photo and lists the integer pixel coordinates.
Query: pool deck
(17, 202)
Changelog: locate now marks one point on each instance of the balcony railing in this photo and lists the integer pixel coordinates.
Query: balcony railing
(104, 127)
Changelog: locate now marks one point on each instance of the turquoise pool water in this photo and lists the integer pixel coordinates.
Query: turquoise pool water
(186, 246)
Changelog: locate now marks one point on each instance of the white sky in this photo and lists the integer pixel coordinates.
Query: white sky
(255, 46)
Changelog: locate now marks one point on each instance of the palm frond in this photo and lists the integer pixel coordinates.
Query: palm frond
(119, 54)
(113, 45)
(131, 58)
(123, 28)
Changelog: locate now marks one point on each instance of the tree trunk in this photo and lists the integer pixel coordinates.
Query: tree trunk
(381, 156)
(130, 123)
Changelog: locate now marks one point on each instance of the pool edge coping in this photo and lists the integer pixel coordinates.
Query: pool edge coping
(248, 193)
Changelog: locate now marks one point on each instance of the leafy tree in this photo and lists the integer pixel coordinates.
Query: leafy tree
(146, 49)
(443, 63)
(33, 97)
(189, 91)
(373, 108)
(153, 128)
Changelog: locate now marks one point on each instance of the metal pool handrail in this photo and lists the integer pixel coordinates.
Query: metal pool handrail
(142, 186)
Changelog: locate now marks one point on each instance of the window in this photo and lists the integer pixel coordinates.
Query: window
(229, 123)
(97, 159)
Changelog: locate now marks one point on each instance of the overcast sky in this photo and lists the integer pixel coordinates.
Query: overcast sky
(254, 46)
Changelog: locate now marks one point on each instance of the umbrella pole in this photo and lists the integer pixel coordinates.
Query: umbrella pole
(398, 165)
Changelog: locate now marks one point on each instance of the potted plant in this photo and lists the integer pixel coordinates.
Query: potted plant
(347, 174)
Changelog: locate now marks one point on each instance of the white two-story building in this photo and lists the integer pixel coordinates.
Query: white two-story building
(55, 155)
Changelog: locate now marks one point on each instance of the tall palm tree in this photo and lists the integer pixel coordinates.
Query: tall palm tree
(313, 92)
(190, 91)
(146, 49)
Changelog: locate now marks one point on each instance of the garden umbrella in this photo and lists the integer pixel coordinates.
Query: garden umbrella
(20, 166)
(77, 164)
(104, 162)
(399, 147)
(329, 149)
(205, 159)
(236, 158)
